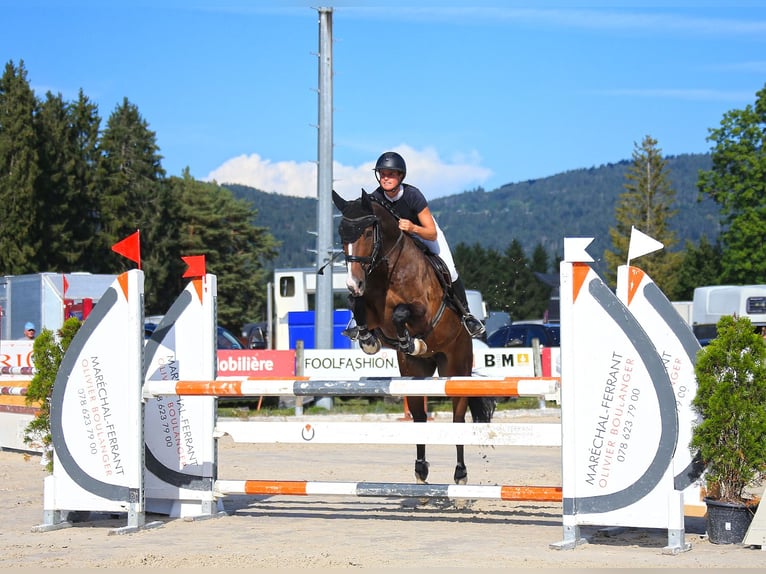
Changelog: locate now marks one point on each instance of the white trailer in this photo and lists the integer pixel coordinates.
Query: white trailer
(47, 299)
(712, 302)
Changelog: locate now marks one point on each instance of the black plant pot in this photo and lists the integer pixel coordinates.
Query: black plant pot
(727, 522)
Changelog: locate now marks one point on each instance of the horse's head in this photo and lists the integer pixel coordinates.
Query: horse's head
(360, 234)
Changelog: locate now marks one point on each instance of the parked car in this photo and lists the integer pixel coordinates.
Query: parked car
(226, 339)
(255, 335)
(521, 335)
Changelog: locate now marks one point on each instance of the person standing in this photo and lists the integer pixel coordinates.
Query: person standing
(29, 331)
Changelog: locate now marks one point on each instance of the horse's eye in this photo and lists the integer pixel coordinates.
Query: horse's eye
(367, 233)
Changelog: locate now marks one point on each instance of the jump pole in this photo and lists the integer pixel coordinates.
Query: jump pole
(388, 490)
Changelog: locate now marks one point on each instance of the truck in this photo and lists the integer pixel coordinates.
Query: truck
(294, 303)
(47, 299)
(711, 302)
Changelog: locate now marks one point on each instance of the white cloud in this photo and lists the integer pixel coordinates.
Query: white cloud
(425, 169)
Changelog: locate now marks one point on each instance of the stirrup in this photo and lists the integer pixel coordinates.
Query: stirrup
(474, 327)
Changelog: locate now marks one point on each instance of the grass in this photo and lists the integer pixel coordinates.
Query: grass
(248, 409)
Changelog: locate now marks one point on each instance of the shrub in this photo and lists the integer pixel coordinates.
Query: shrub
(47, 354)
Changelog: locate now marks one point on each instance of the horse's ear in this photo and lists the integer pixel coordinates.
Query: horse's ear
(366, 201)
(339, 202)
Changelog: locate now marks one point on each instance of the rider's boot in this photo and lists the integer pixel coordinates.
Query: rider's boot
(474, 327)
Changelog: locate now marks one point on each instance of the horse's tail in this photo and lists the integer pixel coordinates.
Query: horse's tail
(482, 408)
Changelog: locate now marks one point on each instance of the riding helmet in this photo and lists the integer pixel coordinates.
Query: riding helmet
(392, 160)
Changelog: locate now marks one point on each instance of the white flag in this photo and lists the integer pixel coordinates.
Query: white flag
(641, 244)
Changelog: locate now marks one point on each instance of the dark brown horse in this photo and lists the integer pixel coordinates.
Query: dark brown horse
(407, 309)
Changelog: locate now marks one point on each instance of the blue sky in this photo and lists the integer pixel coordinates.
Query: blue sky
(478, 94)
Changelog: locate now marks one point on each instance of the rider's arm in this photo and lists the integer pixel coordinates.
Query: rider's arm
(427, 228)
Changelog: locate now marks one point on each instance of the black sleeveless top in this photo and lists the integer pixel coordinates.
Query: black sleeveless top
(408, 205)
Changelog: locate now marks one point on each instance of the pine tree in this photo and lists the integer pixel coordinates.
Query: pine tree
(20, 240)
(215, 224)
(646, 204)
(128, 175)
(68, 155)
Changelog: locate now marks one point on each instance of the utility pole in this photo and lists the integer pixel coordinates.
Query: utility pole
(324, 299)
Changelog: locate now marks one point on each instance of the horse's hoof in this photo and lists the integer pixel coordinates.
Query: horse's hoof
(370, 344)
(461, 474)
(421, 471)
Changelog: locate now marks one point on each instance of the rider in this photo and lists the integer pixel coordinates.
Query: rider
(409, 203)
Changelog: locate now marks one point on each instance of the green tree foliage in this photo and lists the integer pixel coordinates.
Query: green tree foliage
(646, 204)
(47, 354)
(213, 223)
(737, 183)
(731, 402)
(68, 154)
(701, 265)
(20, 239)
(506, 280)
(70, 192)
(129, 173)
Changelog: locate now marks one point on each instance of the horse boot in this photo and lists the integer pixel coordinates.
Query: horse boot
(356, 330)
(474, 327)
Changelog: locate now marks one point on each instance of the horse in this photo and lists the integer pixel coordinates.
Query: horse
(408, 309)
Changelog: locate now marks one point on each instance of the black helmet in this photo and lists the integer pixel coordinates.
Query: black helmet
(391, 160)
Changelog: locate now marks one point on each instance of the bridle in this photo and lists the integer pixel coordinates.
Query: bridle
(351, 229)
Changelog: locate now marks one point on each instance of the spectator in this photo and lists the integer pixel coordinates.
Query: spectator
(29, 332)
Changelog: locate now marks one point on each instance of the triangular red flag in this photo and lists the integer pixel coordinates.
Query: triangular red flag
(130, 247)
(196, 265)
(65, 285)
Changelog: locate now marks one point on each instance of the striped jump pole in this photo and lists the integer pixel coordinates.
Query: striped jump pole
(17, 371)
(17, 391)
(392, 490)
(364, 386)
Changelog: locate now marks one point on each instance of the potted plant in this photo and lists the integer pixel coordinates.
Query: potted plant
(731, 433)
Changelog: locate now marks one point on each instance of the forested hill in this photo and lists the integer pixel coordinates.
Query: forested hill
(578, 203)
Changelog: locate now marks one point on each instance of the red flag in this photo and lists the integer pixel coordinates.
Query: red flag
(66, 286)
(129, 247)
(196, 265)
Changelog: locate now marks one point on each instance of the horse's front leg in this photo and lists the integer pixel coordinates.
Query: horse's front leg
(417, 406)
(407, 345)
(459, 407)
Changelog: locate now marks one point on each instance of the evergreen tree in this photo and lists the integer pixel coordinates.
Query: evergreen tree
(539, 261)
(701, 265)
(647, 205)
(68, 154)
(128, 175)
(20, 240)
(737, 182)
(215, 224)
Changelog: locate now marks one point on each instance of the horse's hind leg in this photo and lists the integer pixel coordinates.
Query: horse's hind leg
(419, 415)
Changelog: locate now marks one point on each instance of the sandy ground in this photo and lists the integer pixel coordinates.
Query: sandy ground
(341, 532)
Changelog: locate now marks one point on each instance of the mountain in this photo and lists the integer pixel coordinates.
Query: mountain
(577, 203)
